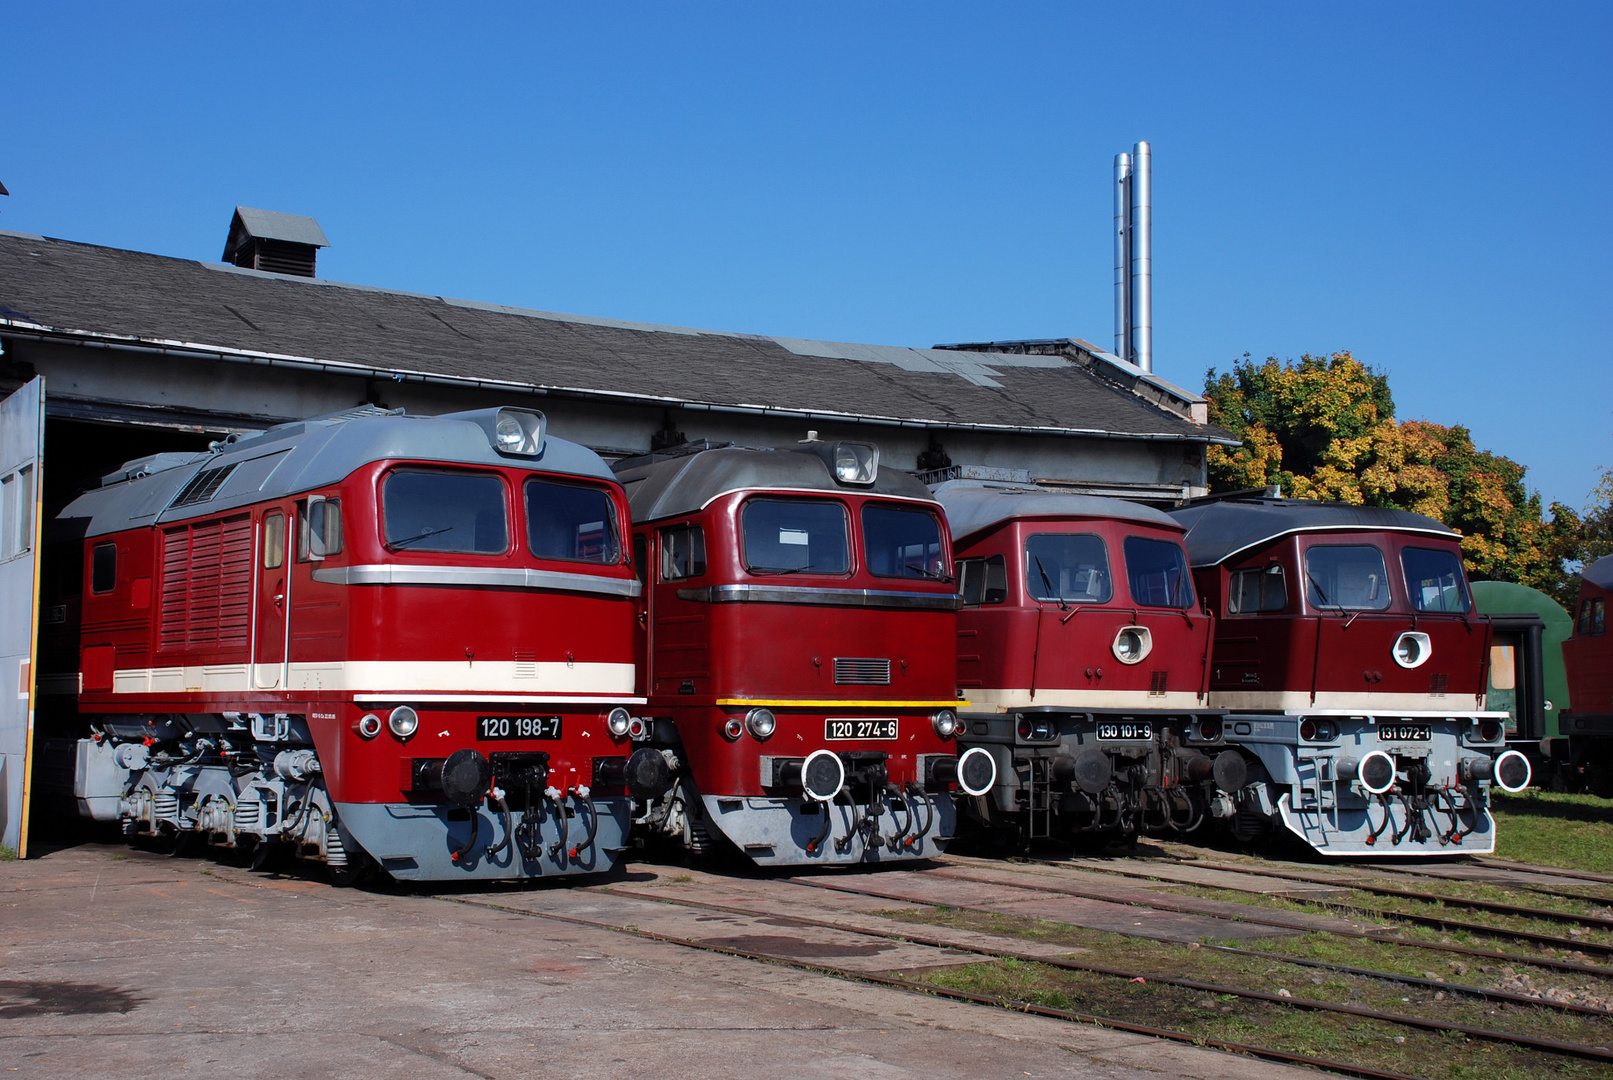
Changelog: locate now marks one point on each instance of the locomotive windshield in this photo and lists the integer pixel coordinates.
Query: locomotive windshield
(1434, 579)
(444, 511)
(787, 536)
(903, 542)
(1157, 572)
(1346, 577)
(567, 521)
(1068, 566)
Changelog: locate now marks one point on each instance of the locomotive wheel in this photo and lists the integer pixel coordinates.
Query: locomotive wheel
(358, 870)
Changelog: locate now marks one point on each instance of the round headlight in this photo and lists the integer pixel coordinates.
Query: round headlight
(617, 721)
(510, 434)
(369, 725)
(1412, 649)
(403, 721)
(761, 722)
(946, 723)
(1132, 644)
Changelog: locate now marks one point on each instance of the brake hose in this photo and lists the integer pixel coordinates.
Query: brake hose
(843, 845)
(897, 838)
(552, 796)
(504, 812)
(815, 845)
(593, 821)
(475, 828)
(1388, 816)
(918, 801)
(528, 835)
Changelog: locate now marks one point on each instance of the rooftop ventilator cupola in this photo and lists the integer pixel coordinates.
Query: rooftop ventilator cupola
(275, 242)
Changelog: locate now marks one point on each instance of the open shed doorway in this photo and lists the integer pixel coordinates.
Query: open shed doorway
(77, 454)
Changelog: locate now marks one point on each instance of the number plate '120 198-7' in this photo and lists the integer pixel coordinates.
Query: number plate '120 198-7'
(517, 727)
(860, 729)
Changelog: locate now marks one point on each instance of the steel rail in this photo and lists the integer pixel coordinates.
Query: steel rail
(1493, 907)
(1388, 939)
(1264, 1052)
(1546, 871)
(1407, 980)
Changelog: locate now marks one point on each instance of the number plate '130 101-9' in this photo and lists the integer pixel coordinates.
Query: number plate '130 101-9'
(518, 727)
(860, 729)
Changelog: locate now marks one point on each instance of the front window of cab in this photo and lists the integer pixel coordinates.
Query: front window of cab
(1157, 572)
(571, 522)
(1346, 577)
(902, 541)
(1434, 580)
(1073, 567)
(444, 510)
(789, 536)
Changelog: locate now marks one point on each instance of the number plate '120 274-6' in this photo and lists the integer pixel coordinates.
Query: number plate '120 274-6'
(518, 727)
(860, 729)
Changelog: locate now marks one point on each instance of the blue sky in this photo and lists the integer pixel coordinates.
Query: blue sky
(1427, 185)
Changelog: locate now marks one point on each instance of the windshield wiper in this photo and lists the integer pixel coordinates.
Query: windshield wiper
(395, 544)
(779, 571)
(1322, 596)
(933, 575)
(1047, 583)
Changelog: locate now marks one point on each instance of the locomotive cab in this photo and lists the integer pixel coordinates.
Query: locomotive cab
(800, 611)
(1352, 666)
(1082, 652)
(371, 640)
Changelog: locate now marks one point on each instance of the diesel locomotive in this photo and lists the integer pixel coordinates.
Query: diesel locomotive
(797, 653)
(1083, 655)
(1353, 670)
(368, 639)
(1587, 725)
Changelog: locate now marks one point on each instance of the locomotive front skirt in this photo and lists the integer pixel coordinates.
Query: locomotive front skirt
(372, 640)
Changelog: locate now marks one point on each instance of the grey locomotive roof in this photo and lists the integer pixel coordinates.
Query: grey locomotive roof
(1599, 573)
(1216, 531)
(681, 485)
(87, 293)
(973, 505)
(299, 457)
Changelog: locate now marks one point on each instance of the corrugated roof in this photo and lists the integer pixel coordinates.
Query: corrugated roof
(70, 287)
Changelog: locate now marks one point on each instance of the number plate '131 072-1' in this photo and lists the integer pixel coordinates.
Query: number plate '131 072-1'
(860, 729)
(518, 727)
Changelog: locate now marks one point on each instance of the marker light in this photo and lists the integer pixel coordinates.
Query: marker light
(369, 725)
(403, 721)
(733, 728)
(761, 722)
(617, 721)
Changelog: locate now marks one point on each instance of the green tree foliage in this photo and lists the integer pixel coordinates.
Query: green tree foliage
(1325, 428)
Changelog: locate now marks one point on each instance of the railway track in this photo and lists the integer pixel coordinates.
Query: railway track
(912, 934)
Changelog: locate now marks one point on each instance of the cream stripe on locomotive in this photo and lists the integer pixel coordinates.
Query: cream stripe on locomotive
(385, 676)
(1003, 700)
(1299, 701)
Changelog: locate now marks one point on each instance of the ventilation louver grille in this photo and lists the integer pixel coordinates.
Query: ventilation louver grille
(204, 485)
(1440, 685)
(862, 671)
(1157, 682)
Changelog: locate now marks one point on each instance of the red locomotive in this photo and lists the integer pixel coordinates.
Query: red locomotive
(1353, 670)
(1588, 657)
(369, 639)
(798, 659)
(1082, 654)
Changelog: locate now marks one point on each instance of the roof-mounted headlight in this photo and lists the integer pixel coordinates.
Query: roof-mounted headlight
(518, 431)
(855, 463)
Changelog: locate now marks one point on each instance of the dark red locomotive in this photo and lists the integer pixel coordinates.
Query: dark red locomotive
(1352, 667)
(798, 658)
(1081, 651)
(1588, 658)
(369, 639)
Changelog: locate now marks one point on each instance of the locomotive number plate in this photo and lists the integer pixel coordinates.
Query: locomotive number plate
(1404, 732)
(859, 729)
(1125, 731)
(517, 727)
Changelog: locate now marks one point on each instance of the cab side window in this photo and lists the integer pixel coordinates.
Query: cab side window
(319, 528)
(274, 539)
(683, 552)
(1256, 590)
(983, 581)
(104, 568)
(1592, 617)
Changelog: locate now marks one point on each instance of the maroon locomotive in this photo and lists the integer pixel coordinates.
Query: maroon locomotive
(1082, 653)
(369, 639)
(1353, 668)
(800, 614)
(1588, 658)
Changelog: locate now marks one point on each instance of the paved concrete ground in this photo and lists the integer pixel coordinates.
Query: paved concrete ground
(124, 964)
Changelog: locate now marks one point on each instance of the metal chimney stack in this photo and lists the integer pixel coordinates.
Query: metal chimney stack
(1134, 286)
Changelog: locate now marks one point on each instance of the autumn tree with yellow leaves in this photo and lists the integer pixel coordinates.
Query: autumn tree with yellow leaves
(1325, 428)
